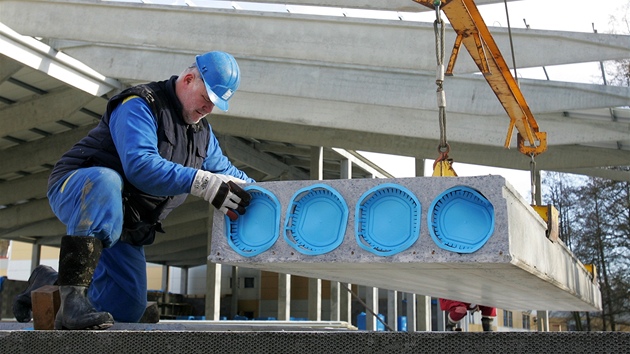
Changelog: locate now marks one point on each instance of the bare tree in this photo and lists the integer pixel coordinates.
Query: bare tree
(595, 225)
(618, 71)
(560, 190)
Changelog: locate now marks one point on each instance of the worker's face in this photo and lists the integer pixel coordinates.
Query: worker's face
(195, 101)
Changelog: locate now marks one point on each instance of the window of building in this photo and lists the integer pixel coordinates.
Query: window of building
(507, 318)
(248, 282)
(4, 248)
(526, 321)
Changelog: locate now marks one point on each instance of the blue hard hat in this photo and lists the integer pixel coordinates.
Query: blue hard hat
(221, 75)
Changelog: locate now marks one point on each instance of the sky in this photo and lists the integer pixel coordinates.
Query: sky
(562, 15)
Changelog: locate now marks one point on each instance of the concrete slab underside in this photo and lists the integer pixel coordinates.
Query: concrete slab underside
(347, 342)
(517, 268)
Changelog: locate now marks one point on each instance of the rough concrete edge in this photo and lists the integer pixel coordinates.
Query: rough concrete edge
(529, 243)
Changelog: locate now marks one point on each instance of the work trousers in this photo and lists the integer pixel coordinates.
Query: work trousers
(89, 202)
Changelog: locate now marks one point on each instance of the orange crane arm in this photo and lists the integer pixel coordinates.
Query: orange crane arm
(472, 31)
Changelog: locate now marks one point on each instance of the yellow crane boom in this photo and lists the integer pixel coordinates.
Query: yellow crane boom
(472, 31)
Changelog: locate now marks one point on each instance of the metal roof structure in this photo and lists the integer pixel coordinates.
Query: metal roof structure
(344, 83)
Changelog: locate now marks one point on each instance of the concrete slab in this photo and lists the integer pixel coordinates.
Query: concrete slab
(517, 267)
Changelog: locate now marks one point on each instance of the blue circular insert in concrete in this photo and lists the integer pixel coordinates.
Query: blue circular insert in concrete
(316, 220)
(461, 220)
(387, 219)
(258, 229)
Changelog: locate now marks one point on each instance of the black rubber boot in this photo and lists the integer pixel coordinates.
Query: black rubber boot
(151, 314)
(22, 305)
(486, 323)
(451, 326)
(78, 258)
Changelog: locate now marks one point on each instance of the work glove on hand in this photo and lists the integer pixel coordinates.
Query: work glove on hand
(222, 192)
(473, 308)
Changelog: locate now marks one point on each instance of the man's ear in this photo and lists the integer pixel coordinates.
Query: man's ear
(189, 78)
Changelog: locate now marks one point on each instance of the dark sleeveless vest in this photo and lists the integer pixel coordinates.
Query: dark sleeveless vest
(177, 142)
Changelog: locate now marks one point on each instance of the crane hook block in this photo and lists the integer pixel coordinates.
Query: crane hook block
(523, 147)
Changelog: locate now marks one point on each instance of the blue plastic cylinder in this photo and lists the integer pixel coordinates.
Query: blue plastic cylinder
(402, 323)
(361, 324)
(380, 325)
(361, 321)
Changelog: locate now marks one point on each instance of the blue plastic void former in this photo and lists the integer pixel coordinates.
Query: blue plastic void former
(461, 220)
(387, 219)
(316, 220)
(258, 229)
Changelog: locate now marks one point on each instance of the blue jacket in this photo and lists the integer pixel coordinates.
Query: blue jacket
(144, 138)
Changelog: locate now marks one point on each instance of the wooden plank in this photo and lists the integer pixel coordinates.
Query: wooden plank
(46, 301)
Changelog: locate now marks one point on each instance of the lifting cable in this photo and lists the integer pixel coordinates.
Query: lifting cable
(507, 15)
(532, 163)
(443, 164)
(532, 176)
(368, 309)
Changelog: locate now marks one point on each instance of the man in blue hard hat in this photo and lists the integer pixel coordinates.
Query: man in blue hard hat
(113, 188)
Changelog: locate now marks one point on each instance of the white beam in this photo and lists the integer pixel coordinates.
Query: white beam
(371, 168)
(557, 157)
(389, 89)
(407, 122)
(43, 109)
(390, 5)
(39, 56)
(371, 42)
